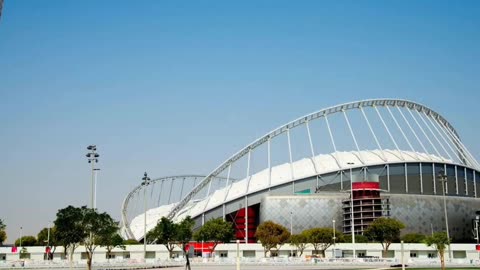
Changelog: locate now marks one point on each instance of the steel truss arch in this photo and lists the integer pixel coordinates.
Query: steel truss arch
(131, 194)
(450, 132)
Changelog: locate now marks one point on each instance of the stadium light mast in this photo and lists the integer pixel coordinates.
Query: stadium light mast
(442, 177)
(146, 181)
(92, 158)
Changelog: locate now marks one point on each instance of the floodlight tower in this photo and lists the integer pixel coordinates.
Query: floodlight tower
(145, 183)
(92, 158)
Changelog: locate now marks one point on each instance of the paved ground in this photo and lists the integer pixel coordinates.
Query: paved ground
(271, 267)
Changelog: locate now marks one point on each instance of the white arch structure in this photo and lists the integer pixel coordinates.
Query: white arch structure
(380, 132)
(132, 205)
(430, 123)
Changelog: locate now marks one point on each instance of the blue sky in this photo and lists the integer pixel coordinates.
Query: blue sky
(176, 87)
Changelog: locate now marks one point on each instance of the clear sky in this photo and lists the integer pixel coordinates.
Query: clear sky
(175, 87)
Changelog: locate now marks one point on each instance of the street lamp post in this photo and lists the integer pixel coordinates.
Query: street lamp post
(146, 181)
(477, 220)
(48, 235)
(352, 227)
(291, 232)
(21, 236)
(443, 179)
(333, 251)
(92, 158)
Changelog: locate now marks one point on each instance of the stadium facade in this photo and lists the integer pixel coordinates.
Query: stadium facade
(406, 161)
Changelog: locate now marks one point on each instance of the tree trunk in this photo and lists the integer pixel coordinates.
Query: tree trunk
(89, 262)
(442, 259)
(384, 253)
(322, 253)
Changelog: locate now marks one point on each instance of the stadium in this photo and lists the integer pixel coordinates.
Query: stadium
(342, 166)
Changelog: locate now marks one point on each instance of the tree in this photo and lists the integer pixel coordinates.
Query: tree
(385, 231)
(164, 233)
(413, 238)
(299, 241)
(46, 238)
(215, 230)
(131, 242)
(27, 241)
(82, 225)
(99, 228)
(183, 236)
(3, 234)
(3, 237)
(272, 235)
(69, 229)
(439, 241)
(321, 238)
(359, 238)
(110, 242)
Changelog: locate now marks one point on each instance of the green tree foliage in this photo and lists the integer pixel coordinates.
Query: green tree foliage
(439, 241)
(69, 228)
(413, 238)
(164, 233)
(359, 238)
(321, 238)
(100, 229)
(44, 239)
(272, 235)
(3, 234)
(111, 241)
(82, 225)
(299, 241)
(184, 235)
(385, 231)
(216, 231)
(27, 241)
(131, 242)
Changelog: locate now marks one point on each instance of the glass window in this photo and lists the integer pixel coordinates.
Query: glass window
(427, 178)
(413, 173)
(462, 188)
(470, 183)
(150, 255)
(397, 178)
(451, 180)
(477, 184)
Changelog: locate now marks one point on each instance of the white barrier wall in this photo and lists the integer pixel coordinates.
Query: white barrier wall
(134, 253)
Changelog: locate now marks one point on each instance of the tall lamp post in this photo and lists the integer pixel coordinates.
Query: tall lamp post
(95, 190)
(352, 227)
(333, 251)
(146, 181)
(291, 231)
(92, 158)
(443, 179)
